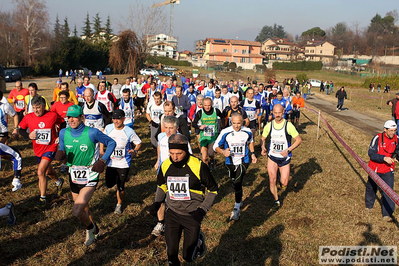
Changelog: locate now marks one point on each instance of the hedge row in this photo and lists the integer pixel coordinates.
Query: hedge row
(166, 61)
(393, 81)
(301, 65)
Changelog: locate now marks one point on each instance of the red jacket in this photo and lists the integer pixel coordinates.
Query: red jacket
(381, 146)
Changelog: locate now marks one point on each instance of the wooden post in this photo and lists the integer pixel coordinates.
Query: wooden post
(318, 126)
(350, 96)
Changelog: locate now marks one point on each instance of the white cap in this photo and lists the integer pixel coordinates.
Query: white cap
(390, 124)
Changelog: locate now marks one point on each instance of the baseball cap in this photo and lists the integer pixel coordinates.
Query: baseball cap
(118, 114)
(390, 124)
(74, 111)
(103, 78)
(59, 80)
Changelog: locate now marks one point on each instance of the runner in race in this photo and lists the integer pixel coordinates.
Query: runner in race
(237, 145)
(182, 181)
(153, 112)
(127, 105)
(42, 126)
(280, 150)
(118, 165)
(252, 107)
(206, 121)
(78, 143)
(11, 154)
(8, 210)
(6, 110)
(96, 113)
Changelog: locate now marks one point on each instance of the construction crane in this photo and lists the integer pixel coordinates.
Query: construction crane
(171, 3)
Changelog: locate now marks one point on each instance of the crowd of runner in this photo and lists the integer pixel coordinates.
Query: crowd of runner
(90, 129)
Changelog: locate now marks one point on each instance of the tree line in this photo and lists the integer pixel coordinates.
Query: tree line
(379, 38)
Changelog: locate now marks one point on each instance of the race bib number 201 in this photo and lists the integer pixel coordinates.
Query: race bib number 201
(178, 187)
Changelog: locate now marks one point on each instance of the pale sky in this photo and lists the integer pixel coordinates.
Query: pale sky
(242, 19)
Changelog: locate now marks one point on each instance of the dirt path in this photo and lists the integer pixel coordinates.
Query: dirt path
(365, 123)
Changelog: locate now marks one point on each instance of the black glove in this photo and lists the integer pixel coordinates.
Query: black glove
(59, 155)
(98, 166)
(154, 208)
(198, 214)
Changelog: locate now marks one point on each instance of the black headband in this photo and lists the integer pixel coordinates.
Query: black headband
(178, 146)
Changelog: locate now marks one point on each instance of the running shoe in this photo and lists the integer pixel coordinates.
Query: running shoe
(91, 235)
(64, 168)
(59, 184)
(41, 205)
(276, 205)
(158, 229)
(235, 215)
(11, 216)
(118, 209)
(16, 184)
(200, 249)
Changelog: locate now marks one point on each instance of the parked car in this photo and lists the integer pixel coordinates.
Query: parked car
(147, 72)
(107, 71)
(315, 82)
(161, 73)
(169, 68)
(169, 73)
(12, 75)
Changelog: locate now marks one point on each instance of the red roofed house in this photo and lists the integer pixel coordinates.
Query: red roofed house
(246, 54)
(319, 51)
(279, 49)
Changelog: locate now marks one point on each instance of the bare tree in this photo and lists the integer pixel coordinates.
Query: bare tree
(31, 18)
(144, 20)
(10, 54)
(126, 54)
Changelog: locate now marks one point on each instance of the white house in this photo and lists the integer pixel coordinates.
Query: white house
(162, 45)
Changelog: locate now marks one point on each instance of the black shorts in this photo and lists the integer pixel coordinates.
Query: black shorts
(280, 161)
(296, 114)
(139, 102)
(4, 135)
(252, 124)
(75, 188)
(116, 176)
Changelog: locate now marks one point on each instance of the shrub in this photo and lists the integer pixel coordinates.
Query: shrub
(300, 65)
(302, 77)
(393, 81)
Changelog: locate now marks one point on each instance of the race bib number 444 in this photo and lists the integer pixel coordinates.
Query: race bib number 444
(178, 187)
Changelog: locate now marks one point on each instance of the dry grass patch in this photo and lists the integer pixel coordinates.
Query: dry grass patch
(323, 205)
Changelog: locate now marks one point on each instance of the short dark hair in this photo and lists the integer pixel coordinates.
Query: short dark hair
(66, 93)
(218, 90)
(33, 85)
(126, 90)
(157, 94)
(38, 100)
(66, 84)
(116, 79)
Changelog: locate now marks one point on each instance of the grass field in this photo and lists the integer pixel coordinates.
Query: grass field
(323, 205)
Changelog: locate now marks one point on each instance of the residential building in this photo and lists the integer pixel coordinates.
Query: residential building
(246, 54)
(185, 55)
(200, 48)
(162, 45)
(279, 49)
(319, 51)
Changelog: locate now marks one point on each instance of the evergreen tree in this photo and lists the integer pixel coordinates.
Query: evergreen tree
(108, 30)
(275, 31)
(87, 28)
(97, 25)
(75, 32)
(57, 28)
(66, 30)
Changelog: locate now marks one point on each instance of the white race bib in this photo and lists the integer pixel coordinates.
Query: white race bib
(169, 97)
(237, 150)
(43, 136)
(277, 146)
(251, 115)
(209, 131)
(178, 187)
(118, 154)
(20, 104)
(128, 114)
(79, 174)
